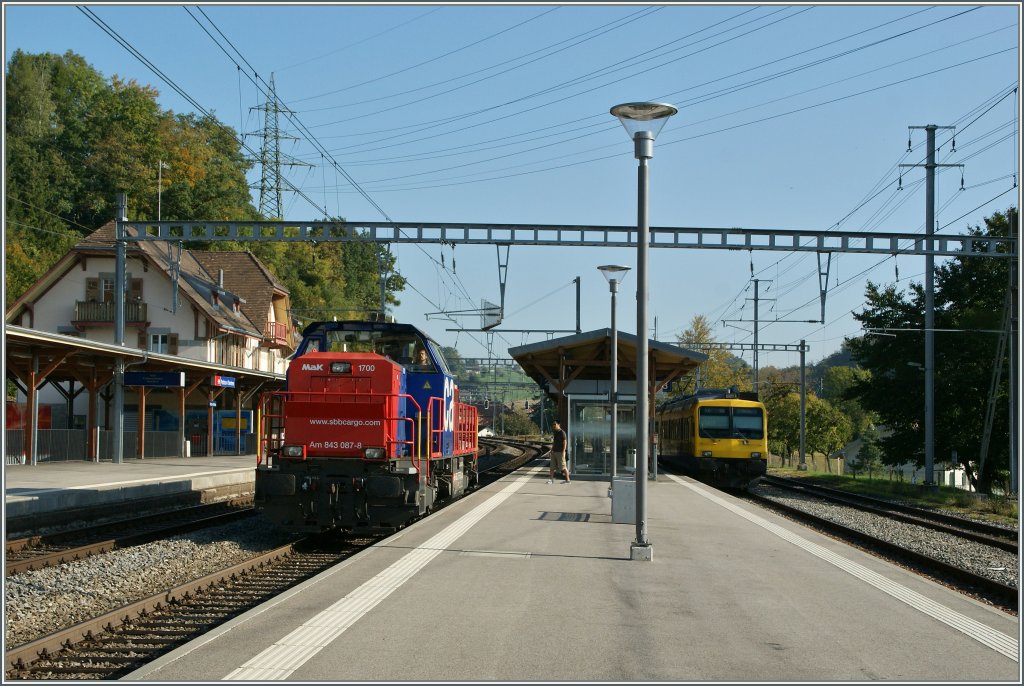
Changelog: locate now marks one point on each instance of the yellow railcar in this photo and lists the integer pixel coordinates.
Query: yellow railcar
(717, 435)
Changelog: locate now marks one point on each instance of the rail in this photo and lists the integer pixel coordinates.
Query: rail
(980, 532)
(1000, 593)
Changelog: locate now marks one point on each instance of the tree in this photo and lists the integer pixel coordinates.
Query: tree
(47, 101)
(837, 384)
(720, 370)
(783, 424)
(517, 423)
(970, 302)
(869, 457)
(827, 428)
(455, 362)
(75, 140)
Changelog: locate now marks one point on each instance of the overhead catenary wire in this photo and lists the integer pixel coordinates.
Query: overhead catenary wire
(336, 187)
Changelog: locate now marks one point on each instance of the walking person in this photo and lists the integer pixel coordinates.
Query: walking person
(558, 447)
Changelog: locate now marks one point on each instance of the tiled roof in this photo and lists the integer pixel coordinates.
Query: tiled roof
(245, 276)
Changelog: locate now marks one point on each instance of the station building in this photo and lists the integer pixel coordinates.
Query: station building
(215, 323)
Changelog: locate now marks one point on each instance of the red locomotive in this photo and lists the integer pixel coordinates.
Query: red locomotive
(368, 434)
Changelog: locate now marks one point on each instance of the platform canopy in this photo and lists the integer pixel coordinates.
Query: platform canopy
(554, 364)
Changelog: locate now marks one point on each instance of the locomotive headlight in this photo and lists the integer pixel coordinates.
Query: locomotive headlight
(756, 455)
(294, 451)
(706, 453)
(374, 453)
(341, 367)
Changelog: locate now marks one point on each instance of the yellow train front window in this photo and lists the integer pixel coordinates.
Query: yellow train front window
(714, 422)
(748, 422)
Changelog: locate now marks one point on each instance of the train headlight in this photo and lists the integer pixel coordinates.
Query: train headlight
(294, 452)
(706, 453)
(341, 367)
(374, 453)
(756, 455)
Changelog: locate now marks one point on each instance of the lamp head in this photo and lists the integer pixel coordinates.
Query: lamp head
(611, 272)
(643, 117)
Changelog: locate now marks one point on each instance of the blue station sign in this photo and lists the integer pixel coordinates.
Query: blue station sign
(224, 381)
(160, 379)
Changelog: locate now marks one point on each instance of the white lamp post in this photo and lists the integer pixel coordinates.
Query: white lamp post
(643, 121)
(612, 273)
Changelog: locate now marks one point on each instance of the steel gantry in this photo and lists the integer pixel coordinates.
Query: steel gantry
(553, 235)
(563, 235)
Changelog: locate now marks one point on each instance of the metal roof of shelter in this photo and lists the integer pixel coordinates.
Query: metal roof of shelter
(557, 362)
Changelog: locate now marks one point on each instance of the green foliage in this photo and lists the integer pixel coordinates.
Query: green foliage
(970, 296)
(783, 423)
(75, 140)
(826, 428)
(517, 423)
(837, 385)
(720, 370)
(455, 363)
(869, 457)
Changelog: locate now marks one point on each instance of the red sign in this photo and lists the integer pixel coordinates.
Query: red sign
(17, 416)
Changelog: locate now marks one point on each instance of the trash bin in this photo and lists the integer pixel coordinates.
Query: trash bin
(624, 500)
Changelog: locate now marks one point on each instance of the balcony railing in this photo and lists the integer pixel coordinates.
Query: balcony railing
(275, 335)
(103, 313)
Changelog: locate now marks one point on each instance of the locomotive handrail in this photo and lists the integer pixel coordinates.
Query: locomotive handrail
(436, 434)
(381, 398)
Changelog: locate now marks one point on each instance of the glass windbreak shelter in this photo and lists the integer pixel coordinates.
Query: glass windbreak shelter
(590, 436)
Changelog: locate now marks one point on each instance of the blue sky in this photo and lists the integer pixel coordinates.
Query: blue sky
(790, 117)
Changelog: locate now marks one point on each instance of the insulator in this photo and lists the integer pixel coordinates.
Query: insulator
(954, 145)
(908, 144)
(900, 187)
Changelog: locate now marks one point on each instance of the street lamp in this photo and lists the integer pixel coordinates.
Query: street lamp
(612, 274)
(643, 121)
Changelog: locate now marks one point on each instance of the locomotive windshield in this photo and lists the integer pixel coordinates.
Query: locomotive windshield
(407, 349)
(731, 422)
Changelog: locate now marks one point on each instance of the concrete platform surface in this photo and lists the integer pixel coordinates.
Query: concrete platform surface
(53, 486)
(530, 581)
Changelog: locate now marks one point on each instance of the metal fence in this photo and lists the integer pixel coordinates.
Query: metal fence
(72, 444)
(52, 445)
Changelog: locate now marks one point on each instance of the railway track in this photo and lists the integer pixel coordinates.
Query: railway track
(964, 580)
(972, 530)
(118, 642)
(37, 552)
(114, 644)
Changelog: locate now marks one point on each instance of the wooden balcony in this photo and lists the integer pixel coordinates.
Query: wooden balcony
(275, 335)
(94, 314)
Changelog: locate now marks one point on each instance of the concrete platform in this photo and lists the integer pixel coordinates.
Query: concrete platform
(530, 581)
(50, 488)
